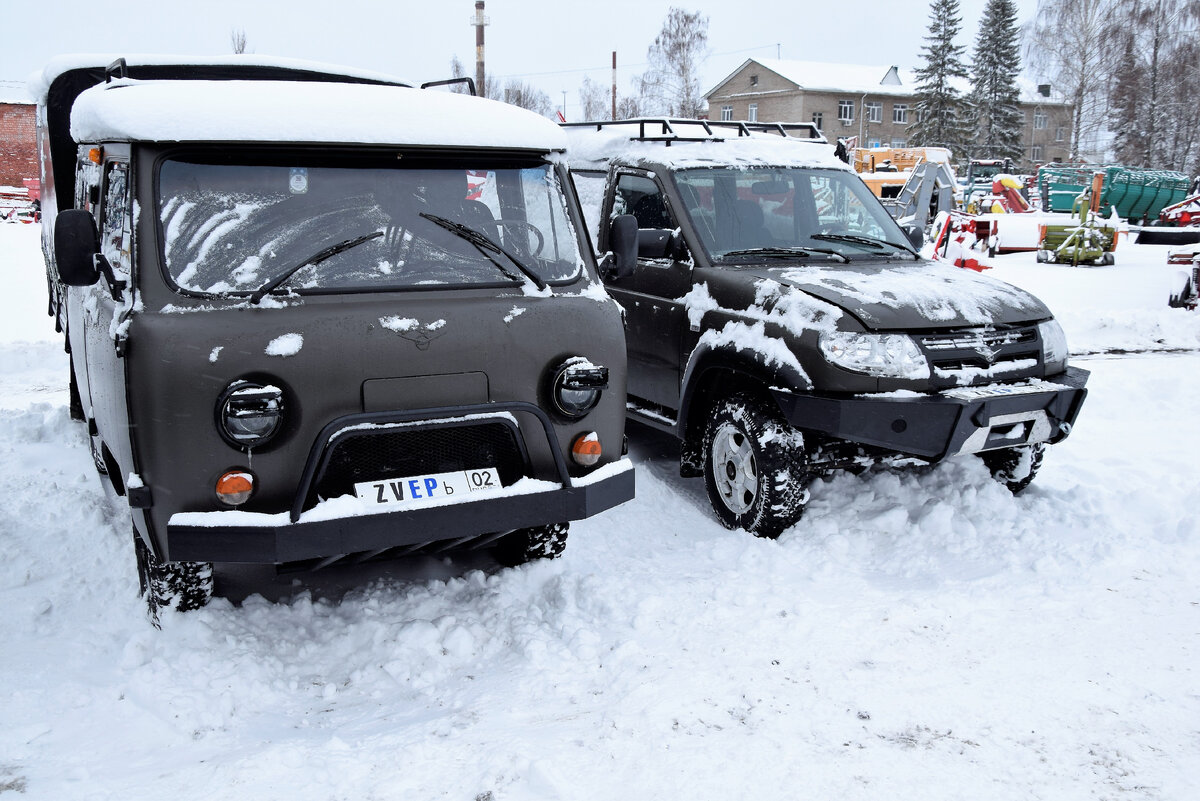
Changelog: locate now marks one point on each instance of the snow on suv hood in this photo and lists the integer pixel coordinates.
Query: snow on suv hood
(905, 296)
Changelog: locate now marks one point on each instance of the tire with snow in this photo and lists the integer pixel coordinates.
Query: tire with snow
(1184, 291)
(1015, 468)
(530, 544)
(755, 466)
(182, 586)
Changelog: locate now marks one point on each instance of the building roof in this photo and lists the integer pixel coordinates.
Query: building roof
(292, 111)
(15, 92)
(859, 79)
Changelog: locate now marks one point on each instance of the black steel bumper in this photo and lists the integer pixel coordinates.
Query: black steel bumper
(933, 427)
(272, 539)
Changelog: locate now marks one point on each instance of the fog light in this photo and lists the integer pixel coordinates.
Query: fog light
(235, 487)
(586, 450)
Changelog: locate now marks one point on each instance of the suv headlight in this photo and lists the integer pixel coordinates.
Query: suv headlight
(891, 355)
(1054, 346)
(249, 414)
(576, 386)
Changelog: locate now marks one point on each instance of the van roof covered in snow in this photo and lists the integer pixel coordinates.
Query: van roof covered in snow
(306, 112)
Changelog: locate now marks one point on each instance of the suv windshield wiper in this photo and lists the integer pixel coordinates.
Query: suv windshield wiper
(485, 244)
(315, 258)
(784, 252)
(866, 241)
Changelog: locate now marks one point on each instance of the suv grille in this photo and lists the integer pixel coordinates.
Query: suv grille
(377, 453)
(986, 349)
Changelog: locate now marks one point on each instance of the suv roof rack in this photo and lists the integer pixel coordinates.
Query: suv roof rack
(668, 130)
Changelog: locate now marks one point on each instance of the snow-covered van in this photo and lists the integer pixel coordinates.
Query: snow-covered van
(782, 325)
(317, 316)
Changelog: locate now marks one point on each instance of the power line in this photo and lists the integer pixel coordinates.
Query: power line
(606, 68)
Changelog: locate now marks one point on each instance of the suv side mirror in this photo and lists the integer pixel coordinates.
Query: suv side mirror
(915, 234)
(76, 244)
(623, 242)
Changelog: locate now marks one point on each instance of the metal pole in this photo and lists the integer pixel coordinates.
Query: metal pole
(480, 21)
(614, 86)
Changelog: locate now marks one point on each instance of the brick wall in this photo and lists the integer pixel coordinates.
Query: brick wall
(18, 143)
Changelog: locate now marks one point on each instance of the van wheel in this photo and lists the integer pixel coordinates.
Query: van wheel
(530, 544)
(181, 586)
(755, 467)
(1015, 467)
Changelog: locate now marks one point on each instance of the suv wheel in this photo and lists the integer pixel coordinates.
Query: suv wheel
(755, 467)
(1015, 467)
(529, 544)
(182, 586)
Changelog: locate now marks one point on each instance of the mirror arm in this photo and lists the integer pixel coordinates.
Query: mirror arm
(115, 285)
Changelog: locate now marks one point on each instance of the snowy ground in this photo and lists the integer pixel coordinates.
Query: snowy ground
(921, 635)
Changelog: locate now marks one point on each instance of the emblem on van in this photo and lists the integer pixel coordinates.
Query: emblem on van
(421, 337)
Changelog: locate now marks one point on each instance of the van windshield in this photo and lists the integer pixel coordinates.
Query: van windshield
(747, 214)
(233, 228)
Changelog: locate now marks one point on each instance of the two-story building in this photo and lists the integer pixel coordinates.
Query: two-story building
(875, 105)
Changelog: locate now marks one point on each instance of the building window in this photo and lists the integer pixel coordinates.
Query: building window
(874, 143)
(1035, 153)
(900, 112)
(899, 143)
(846, 110)
(1060, 133)
(818, 118)
(752, 114)
(726, 113)
(754, 80)
(874, 111)
(1039, 120)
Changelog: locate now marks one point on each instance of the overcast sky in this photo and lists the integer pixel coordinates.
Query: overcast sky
(553, 45)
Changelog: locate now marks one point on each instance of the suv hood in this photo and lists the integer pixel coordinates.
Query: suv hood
(895, 296)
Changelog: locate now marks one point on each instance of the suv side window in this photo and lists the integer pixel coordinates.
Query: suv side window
(642, 198)
(87, 183)
(116, 226)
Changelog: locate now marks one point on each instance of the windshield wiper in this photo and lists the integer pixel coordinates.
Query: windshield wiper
(316, 258)
(486, 243)
(784, 252)
(866, 241)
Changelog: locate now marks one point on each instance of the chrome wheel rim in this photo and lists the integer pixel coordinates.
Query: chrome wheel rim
(734, 468)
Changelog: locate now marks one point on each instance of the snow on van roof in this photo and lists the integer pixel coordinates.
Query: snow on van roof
(307, 112)
(591, 148)
(39, 83)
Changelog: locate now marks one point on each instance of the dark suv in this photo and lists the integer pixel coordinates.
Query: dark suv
(782, 325)
(314, 317)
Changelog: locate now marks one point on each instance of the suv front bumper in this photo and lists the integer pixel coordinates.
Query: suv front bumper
(339, 526)
(960, 420)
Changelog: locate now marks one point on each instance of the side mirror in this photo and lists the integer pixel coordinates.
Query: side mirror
(76, 244)
(915, 234)
(623, 242)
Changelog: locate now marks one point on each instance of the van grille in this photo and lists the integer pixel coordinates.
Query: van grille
(983, 349)
(378, 453)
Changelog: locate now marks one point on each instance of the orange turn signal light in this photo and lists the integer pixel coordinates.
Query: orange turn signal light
(235, 487)
(586, 450)
(94, 155)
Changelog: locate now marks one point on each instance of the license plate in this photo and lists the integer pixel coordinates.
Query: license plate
(417, 490)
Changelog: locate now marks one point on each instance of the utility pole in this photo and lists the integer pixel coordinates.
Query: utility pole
(479, 22)
(614, 86)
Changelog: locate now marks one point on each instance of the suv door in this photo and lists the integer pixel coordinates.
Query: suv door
(652, 295)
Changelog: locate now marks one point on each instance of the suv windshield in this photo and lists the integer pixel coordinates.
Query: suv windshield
(235, 228)
(746, 214)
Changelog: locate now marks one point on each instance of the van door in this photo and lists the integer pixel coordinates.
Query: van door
(105, 316)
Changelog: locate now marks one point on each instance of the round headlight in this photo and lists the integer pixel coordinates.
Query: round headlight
(576, 387)
(249, 414)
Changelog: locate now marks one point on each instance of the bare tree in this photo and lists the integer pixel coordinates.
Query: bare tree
(237, 39)
(594, 100)
(490, 89)
(1064, 44)
(525, 95)
(671, 85)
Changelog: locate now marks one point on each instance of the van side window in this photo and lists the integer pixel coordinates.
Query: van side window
(116, 225)
(87, 183)
(642, 198)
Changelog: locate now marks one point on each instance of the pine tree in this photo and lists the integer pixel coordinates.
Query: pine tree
(939, 117)
(994, 113)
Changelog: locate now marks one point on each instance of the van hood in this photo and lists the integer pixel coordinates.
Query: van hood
(906, 296)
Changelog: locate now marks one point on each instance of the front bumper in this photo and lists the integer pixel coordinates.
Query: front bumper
(961, 420)
(339, 526)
